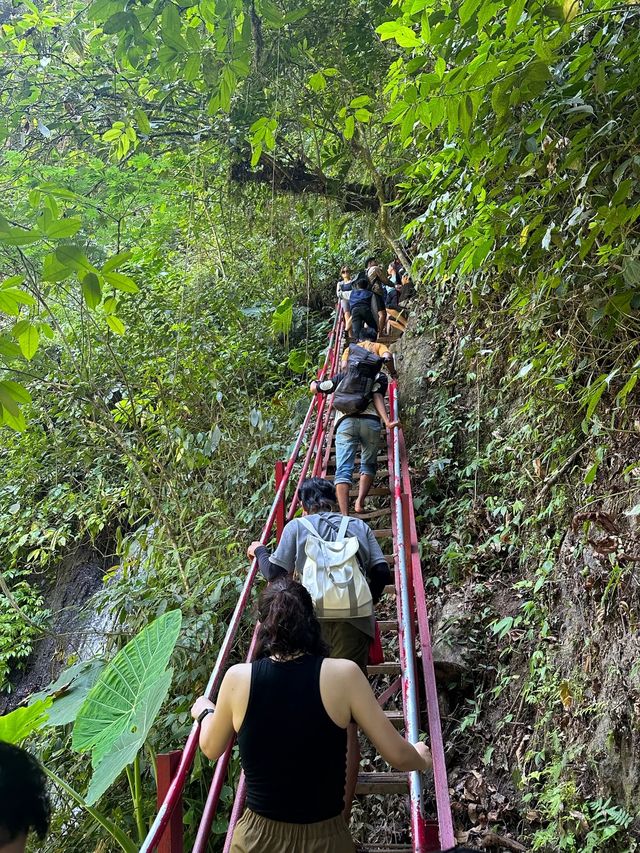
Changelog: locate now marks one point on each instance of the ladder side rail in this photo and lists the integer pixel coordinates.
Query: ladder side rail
(219, 777)
(443, 803)
(405, 629)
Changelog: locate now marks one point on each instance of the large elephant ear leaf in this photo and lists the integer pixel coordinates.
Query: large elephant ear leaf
(120, 708)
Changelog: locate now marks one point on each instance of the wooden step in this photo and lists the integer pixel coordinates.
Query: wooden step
(356, 475)
(387, 625)
(383, 533)
(382, 783)
(387, 668)
(395, 717)
(376, 490)
(374, 513)
(385, 848)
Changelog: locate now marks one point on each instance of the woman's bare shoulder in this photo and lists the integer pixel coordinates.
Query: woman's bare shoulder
(341, 668)
(238, 673)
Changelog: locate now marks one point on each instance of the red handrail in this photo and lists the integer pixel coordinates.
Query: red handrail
(188, 754)
(443, 803)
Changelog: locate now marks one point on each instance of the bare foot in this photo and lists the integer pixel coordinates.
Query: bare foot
(358, 508)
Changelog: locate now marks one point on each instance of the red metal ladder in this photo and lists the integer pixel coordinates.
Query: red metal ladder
(426, 835)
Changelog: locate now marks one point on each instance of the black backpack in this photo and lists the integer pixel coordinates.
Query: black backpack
(353, 394)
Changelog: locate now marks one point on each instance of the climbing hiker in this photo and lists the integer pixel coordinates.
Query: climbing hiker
(377, 280)
(347, 636)
(291, 709)
(359, 390)
(343, 290)
(24, 802)
(363, 305)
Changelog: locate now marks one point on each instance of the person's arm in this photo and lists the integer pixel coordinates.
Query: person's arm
(216, 730)
(377, 569)
(326, 386)
(368, 714)
(387, 357)
(270, 570)
(379, 406)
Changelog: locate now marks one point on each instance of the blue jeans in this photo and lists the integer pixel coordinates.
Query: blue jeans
(351, 434)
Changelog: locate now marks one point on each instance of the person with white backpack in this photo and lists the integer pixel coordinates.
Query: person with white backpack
(339, 561)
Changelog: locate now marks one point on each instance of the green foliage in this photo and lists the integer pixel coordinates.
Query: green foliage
(18, 636)
(114, 721)
(69, 691)
(23, 722)
(498, 138)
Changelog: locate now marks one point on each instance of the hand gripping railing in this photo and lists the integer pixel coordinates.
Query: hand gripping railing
(174, 791)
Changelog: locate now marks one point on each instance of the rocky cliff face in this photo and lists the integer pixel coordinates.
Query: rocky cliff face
(76, 632)
(530, 547)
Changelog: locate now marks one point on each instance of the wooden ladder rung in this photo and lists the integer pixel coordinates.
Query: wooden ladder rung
(387, 625)
(382, 783)
(388, 668)
(383, 533)
(374, 513)
(395, 717)
(376, 490)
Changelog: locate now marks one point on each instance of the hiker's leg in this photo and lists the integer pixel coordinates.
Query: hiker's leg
(363, 490)
(371, 319)
(370, 440)
(346, 448)
(382, 321)
(342, 495)
(357, 322)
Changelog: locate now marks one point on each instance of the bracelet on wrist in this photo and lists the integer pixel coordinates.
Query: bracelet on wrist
(204, 714)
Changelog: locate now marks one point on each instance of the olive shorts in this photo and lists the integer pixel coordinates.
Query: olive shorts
(346, 641)
(257, 834)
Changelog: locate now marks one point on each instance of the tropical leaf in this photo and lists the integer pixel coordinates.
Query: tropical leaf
(69, 691)
(116, 716)
(282, 318)
(22, 722)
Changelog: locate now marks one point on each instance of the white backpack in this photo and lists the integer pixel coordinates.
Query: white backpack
(332, 575)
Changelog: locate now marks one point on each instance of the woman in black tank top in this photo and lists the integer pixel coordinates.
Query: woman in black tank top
(292, 751)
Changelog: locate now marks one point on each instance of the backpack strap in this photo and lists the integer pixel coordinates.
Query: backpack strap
(306, 523)
(344, 523)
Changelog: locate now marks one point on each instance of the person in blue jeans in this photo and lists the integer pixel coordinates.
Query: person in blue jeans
(357, 432)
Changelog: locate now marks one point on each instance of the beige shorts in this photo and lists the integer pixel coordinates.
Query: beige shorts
(257, 834)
